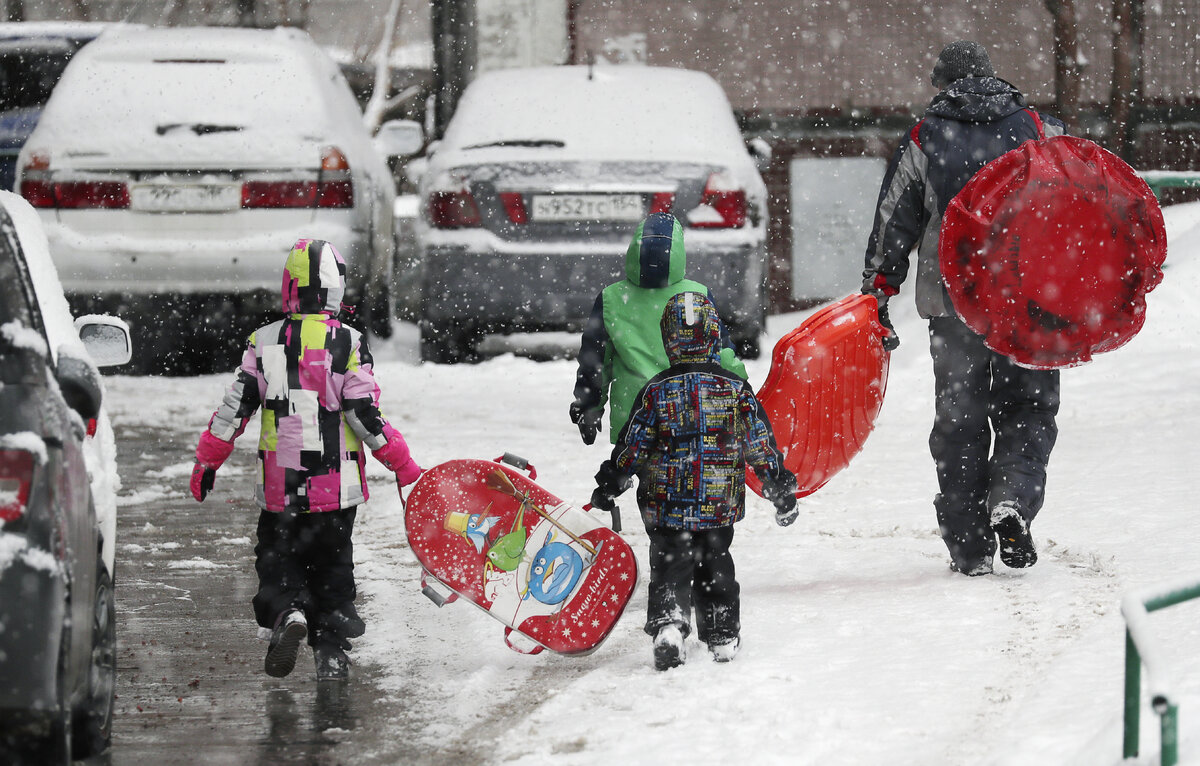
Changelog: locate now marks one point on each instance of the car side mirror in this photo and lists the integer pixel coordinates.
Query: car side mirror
(79, 382)
(399, 138)
(106, 339)
(760, 150)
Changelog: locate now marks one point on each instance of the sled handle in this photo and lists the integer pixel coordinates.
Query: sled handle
(518, 462)
(616, 516)
(433, 594)
(535, 650)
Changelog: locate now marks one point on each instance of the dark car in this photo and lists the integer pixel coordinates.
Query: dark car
(32, 59)
(57, 509)
(530, 199)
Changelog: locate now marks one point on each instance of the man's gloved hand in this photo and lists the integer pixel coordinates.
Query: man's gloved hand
(202, 481)
(588, 422)
(603, 500)
(891, 340)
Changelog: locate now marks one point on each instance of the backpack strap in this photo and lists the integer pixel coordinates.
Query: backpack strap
(1037, 123)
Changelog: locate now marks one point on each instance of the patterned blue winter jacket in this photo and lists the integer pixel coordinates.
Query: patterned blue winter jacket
(693, 430)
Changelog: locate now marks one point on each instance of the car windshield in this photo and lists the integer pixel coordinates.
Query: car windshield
(20, 343)
(29, 73)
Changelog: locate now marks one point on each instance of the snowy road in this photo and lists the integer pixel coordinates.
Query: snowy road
(860, 647)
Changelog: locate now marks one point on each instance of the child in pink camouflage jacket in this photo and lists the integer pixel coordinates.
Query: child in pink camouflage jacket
(311, 377)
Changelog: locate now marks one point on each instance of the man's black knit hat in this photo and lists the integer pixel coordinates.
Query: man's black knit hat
(959, 59)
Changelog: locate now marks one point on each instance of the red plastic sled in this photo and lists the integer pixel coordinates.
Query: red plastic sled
(544, 568)
(1048, 252)
(824, 390)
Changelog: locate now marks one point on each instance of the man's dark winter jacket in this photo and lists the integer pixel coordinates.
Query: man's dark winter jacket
(967, 125)
(693, 429)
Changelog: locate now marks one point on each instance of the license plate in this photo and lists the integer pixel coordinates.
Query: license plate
(185, 198)
(587, 207)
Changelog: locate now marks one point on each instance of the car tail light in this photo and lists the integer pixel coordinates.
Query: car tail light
(35, 181)
(726, 200)
(514, 205)
(82, 195)
(278, 193)
(453, 210)
(42, 191)
(662, 202)
(335, 187)
(16, 478)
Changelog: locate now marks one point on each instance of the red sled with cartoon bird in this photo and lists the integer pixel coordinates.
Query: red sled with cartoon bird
(549, 571)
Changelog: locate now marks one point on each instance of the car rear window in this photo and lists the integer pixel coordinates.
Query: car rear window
(187, 87)
(617, 111)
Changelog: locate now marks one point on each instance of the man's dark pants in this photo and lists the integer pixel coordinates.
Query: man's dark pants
(973, 386)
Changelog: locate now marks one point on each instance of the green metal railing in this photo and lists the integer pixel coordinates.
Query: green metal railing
(1158, 180)
(1141, 648)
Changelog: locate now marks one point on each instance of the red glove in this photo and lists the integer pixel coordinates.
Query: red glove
(396, 458)
(211, 453)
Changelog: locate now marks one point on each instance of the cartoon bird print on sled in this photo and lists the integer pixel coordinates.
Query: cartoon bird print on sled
(544, 568)
(531, 572)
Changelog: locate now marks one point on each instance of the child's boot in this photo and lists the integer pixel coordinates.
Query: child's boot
(332, 663)
(724, 650)
(668, 648)
(290, 630)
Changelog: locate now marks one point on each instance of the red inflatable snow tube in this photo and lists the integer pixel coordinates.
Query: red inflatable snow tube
(1048, 252)
(824, 390)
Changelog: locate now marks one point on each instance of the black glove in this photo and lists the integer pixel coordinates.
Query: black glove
(588, 422)
(785, 510)
(603, 500)
(891, 340)
(782, 494)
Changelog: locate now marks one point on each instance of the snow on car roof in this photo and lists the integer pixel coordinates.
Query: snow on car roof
(75, 30)
(627, 111)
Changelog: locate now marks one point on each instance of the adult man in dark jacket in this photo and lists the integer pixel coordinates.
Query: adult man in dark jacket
(975, 118)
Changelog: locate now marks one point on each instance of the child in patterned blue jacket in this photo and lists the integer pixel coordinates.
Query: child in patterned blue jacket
(693, 429)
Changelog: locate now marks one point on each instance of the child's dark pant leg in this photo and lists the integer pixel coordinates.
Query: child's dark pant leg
(330, 562)
(281, 575)
(671, 573)
(715, 589)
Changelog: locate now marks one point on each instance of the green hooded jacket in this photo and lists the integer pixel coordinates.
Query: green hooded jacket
(622, 346)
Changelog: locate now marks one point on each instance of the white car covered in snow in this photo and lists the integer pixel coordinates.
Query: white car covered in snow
(177, 165)
(531, 198)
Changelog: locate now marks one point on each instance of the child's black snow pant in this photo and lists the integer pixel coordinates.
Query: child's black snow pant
(693, 569)
(972, 386)
(306, 561)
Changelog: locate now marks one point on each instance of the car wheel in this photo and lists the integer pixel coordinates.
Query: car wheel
(92, 724)
(381, 311)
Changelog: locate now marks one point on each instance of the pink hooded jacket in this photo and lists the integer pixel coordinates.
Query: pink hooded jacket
(311, 377)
